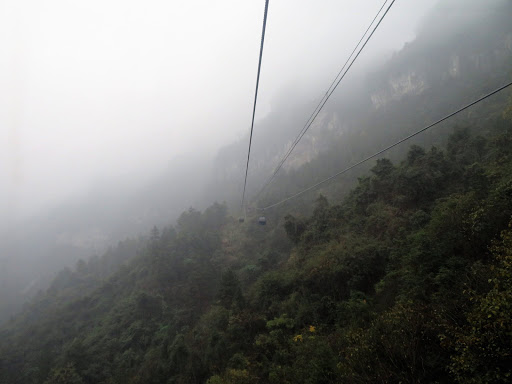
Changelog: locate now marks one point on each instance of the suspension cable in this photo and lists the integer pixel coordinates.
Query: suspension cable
(255, 99)
(328, 93)
(388, 147)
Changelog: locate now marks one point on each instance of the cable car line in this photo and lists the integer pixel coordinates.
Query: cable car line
(329, 92)
(269, 180)
(388, 147)
(255, 99)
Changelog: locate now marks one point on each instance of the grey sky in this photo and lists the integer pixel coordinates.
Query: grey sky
(112, 90)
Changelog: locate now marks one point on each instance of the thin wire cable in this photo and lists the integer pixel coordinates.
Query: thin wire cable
(389, 147)
(328, 94)
(255, 99)
(269, 180)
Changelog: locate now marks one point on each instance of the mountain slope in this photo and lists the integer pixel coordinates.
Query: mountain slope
(402, 274)
(462, 51)
(395, 277)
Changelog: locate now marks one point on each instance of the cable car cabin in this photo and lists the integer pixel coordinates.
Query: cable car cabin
(262, 220)
(241, 220)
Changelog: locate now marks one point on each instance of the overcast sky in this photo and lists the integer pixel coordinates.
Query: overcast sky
(110, 91)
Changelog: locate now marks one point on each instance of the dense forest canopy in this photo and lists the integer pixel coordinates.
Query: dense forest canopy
(406, 280)
(398, 272)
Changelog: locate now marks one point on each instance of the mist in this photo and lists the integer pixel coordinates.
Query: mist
(374, 231)
(113, 114)
(111, 92)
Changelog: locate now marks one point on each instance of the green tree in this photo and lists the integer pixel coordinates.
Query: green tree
(294, 228)
(230, 292)
(483, 347)
(64, 375)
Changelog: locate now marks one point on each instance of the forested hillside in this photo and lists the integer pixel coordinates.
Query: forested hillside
(406, 280)
(376, 104)
(398, 272)
(461, 51)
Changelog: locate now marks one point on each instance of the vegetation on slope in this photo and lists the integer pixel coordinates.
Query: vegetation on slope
(407, 279)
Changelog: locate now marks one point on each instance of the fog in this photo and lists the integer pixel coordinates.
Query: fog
(112, 112)
(109, 92)
(126, 255)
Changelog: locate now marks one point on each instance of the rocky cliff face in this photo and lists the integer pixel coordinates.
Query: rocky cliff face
(410, 83)
(473, 50)
(455, 56)
(327, 127)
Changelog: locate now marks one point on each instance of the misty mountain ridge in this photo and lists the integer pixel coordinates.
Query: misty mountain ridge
(409, 274)
(475, 49)
(418, 75)
(402, 265)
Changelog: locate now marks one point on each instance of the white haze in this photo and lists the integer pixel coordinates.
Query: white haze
(110, 92)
